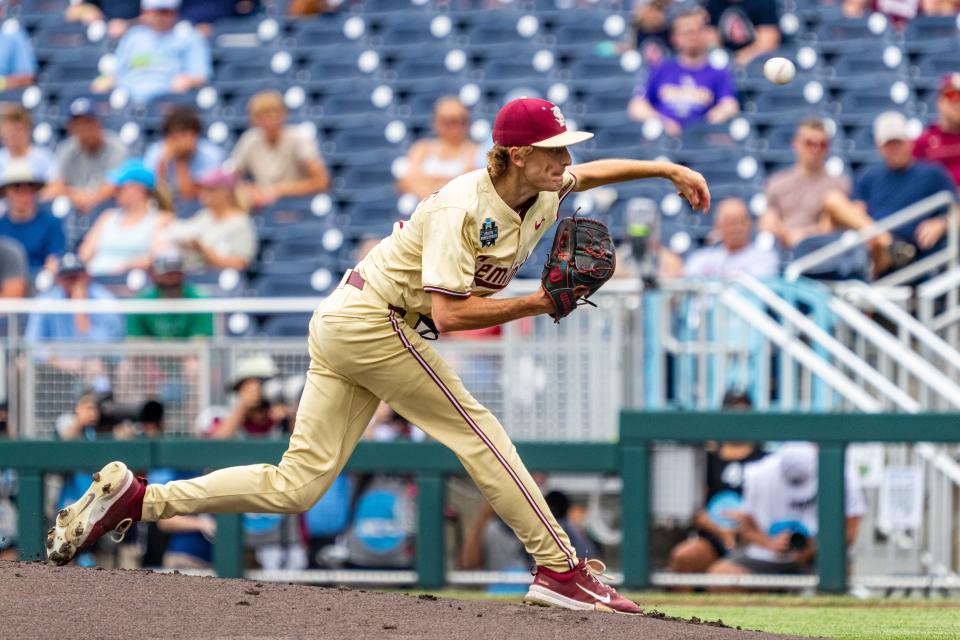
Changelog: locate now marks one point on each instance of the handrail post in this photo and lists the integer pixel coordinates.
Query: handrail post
(228, 548)
(430, 549)
(635, 504)
(30, 536)
(831, 515)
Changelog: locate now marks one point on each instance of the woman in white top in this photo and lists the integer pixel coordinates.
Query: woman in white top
(222, 234)
(124, 237)
(433, 162)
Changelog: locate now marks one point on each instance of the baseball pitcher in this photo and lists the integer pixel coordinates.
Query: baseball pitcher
(369, 340)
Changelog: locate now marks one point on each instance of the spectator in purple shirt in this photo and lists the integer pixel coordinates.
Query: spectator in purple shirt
(686, 89)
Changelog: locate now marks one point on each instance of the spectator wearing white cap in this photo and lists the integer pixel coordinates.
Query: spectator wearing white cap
(884, 189)
(154, 58)
(778, 518)
(27, 221)
(84, 160)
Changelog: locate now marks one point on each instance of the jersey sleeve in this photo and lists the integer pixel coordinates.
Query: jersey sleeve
(448, 258)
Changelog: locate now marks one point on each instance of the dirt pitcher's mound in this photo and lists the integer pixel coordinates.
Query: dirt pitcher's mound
(40, 601)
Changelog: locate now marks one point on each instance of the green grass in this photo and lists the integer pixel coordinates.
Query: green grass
(839, 617)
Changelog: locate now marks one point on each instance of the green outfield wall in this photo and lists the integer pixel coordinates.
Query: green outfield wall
(431, 462)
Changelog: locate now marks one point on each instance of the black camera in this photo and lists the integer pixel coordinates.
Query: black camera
(113, 413)
(798, 541)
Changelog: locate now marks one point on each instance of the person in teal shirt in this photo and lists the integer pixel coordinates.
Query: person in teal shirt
(167, 275)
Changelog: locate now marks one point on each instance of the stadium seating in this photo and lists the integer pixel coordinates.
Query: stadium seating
(366, 77)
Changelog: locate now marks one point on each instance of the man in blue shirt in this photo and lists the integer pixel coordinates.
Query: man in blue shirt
(30, 223)
(18, 65)
(685, 89)
(885, 189)
(182, 156)
(73, 283)
(154, 58)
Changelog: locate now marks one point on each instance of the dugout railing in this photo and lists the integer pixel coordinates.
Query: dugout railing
(431, 463)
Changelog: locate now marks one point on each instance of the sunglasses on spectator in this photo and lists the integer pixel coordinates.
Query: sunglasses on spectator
(21, 185)
(815, 144)
(952, 95)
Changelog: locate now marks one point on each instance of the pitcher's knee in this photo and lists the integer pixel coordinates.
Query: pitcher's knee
(298, 493)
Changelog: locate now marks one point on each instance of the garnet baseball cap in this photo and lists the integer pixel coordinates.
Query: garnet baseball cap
(534, 122)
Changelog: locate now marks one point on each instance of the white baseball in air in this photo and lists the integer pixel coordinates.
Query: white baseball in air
(779, 70)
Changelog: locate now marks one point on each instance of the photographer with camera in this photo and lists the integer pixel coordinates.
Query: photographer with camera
(778, 522)
(255, 413)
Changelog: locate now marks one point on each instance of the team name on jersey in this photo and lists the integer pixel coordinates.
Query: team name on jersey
(488, 274)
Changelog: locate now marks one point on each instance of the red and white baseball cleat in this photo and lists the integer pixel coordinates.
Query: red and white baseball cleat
(112, 503)
(580, 588)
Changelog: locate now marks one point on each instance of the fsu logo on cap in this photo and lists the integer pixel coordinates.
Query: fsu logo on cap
(558, 115)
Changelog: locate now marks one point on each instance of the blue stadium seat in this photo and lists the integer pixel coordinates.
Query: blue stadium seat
(489, 27)
(213, 284)
(383, 6)
(858, 104)
(867, 67)
(596, 66)
(241, 33)
(932, 34)
(846, 35)
(294, 325)
(325, 30)
(424, 63)
(933, 66)
(407, 29)
(285, 286)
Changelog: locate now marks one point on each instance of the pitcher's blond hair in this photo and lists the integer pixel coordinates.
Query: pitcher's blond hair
(498, 159)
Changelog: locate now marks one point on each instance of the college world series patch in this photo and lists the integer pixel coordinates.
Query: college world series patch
(488, 233)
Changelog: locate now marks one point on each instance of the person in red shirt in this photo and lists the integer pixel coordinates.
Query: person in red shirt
(940, 142)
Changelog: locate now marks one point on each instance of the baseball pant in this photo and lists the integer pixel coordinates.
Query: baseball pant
(361, 352)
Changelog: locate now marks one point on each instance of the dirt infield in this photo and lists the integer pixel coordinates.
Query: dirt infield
(39, 601)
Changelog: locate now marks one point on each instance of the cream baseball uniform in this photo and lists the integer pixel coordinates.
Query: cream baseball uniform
(462, 240)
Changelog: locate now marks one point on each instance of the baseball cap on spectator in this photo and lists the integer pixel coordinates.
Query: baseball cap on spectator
(83, 108)
(950, 82)
(159, 5)
(132, 171)
(534, 122)
(260, 366)
(19, 172)
(217, 178)
(798, 464)
(890, 125)
(167, 262)
(70, 264)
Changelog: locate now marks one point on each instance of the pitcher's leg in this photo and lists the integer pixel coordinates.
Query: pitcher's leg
(331, 418)
(432, 396)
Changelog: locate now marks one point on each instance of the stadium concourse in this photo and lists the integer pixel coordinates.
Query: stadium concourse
(364, 77)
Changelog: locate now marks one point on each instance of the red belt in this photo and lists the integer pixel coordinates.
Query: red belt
(356, 280)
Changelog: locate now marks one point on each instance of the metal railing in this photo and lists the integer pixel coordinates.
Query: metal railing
(944, 258)
(544, 381)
